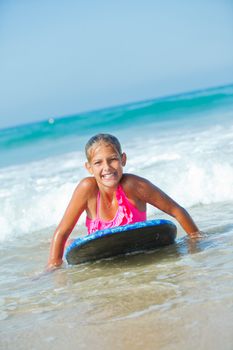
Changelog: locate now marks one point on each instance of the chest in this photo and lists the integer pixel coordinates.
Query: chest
(107, 211)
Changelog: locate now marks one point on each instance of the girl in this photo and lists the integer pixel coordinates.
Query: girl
(111, 198)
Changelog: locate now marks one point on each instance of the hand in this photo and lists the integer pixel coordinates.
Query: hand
(52, 266)
(198, 234)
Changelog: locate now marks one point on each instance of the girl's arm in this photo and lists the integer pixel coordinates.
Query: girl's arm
(76, 206)
(151, 194)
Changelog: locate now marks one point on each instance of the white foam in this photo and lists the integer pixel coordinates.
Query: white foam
(34, 196)
(192, 166)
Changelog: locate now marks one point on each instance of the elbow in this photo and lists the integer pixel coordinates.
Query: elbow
(179, 212)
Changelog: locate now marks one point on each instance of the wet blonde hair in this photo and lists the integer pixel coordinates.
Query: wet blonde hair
(106, 138)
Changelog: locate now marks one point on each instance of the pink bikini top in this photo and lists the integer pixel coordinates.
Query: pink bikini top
(126, 213)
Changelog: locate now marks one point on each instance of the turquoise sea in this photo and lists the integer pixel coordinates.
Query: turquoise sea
(179, 297)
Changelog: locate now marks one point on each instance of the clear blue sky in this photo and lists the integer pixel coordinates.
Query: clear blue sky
(60, 58)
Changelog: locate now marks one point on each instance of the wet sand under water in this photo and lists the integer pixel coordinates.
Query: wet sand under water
(178, 297)
(186, 328)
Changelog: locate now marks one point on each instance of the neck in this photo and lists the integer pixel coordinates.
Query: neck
(108, 196)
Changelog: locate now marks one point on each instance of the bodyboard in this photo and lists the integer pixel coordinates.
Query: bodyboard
(140, 236)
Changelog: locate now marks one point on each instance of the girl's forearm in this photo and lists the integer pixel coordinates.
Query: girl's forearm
(57, 249)
(186, 221)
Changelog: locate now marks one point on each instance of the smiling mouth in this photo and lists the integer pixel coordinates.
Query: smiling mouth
(108, 176)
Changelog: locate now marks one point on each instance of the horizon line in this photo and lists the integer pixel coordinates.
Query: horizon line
(164, 97)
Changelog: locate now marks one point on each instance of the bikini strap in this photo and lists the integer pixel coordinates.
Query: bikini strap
(97, 205)
(121, 194)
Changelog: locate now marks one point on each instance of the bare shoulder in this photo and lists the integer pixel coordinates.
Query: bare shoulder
(131, 180)
(143, 190)
(137, 185)
(87, 185)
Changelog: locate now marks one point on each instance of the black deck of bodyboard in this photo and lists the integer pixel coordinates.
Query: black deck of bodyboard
(140, 236)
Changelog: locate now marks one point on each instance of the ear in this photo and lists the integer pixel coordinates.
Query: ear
(123, 159)
(89, 168)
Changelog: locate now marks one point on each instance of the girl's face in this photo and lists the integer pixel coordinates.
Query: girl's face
(106, 164)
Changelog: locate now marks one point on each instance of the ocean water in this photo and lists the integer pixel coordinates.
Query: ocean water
(178, 297)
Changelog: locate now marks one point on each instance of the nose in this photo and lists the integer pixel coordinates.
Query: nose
(106, 165)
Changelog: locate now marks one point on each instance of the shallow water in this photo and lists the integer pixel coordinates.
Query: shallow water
(177, 297)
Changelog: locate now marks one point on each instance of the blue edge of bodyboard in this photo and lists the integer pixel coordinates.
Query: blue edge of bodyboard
(78, 242)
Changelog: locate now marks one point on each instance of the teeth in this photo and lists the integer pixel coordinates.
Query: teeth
(107, 176)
